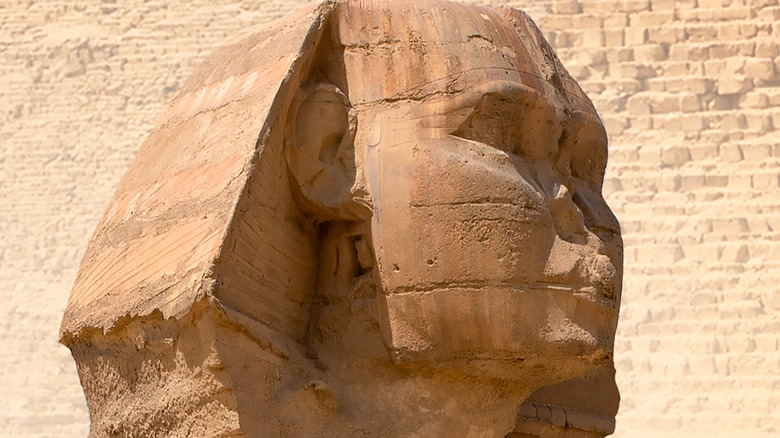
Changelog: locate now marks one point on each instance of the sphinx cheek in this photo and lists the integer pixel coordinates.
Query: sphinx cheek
(457, 211)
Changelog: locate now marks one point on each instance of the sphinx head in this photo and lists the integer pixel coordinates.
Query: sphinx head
(476, 163)
(401, 190)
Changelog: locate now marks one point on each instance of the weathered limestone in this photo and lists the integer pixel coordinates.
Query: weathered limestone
(365, 219)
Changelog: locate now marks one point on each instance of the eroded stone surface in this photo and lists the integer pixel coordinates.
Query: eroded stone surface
(365, 219)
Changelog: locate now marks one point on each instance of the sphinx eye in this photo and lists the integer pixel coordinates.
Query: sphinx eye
(586, 141)
(539, 130)
(524, 127)
(490, 122)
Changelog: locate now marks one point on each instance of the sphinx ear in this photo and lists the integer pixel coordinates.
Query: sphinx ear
(320, 151)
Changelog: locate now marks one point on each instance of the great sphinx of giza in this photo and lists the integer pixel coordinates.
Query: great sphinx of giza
(369, 218)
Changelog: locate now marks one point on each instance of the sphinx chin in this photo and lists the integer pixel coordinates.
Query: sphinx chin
(540, 335)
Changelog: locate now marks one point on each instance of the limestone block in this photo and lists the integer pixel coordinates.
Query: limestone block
(614, 37)
(735, 66)
(759, 122)
(740, 182)
(734, 85)
(715, 137)
(566, 7)
(703, 366)
(773, 221)
(696, 68)
(777, 63)
(634, 5)
(724, 50)
(663, 122)
(748, 30)
(690, 102)
(759, 68)
(684, 52)
(629, 86)
(556, 22)
(717, 180)
(636, 36)
(657, 85)
(714, 67)
(730, 226)
(728, 31)
(767, 48)
(691, 182)
(710, 32)
(747, 48)
(610, 102)
(569, 38)
(766, 344)
(727, 102)
(750, 309)
(685, 5)
(638, 105)
(676, 68)
(635, 70)
(773, 299)
(735, 254)
(766, 180)
(675, 156)
(612, 185)
(593, 38)
(599, 7)
(731, 153)
(686, 11)
(703, 152)
(612, 20)
(756, 152)
(678, 366)
(665, 35)
(615, 125)
(722, 14)
(641, 122)
(587, 21)
(769, 13)
(694, 124)
(670, 183)
(662, 5)
(687, 123)
(649, 53)
(663, 254)
(758, 224)
(759, 4)
(700, 86)
(651, 18)
(754, 99)
(773, 95)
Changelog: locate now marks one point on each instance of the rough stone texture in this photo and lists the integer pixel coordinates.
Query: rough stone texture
(364, 219)
(697, 350)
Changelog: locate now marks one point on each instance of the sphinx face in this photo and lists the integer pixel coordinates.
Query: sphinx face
(487, 251)
(495, 248)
